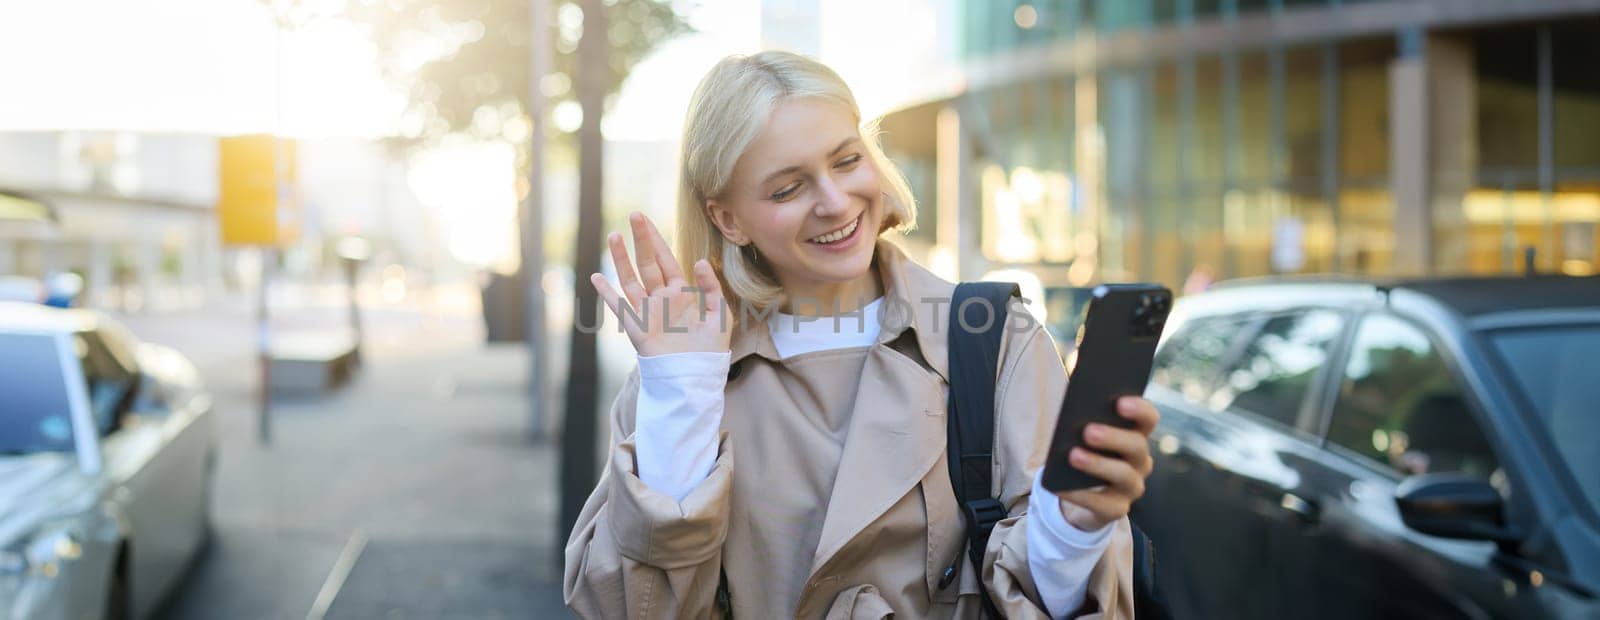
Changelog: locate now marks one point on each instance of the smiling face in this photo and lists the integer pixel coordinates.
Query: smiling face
(806, 194)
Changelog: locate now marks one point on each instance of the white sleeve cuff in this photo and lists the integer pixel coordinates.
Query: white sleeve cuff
(678, 417)
(1060, 555)
(692, 364)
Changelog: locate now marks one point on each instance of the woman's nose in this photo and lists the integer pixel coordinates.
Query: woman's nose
(834, 200)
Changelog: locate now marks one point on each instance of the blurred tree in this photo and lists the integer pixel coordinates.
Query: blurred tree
(580, 450)
(463, 64)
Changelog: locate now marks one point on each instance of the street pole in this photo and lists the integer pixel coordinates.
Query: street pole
(533, 219)
(264, 350)
(267, 253)
(351, 265)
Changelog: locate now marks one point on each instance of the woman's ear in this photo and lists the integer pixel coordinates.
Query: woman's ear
(723, 219)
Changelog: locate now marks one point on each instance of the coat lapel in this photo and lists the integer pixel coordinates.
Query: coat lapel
(896, 435)
(897, 423)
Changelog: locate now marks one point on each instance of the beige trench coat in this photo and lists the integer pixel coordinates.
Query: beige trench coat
(890, 522)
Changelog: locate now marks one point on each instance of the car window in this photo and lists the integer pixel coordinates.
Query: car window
(1399, 405)
(118, 342)
(1187, 362)
(109, 381)
(1274, 374)
(1555, 370)
(35, 415)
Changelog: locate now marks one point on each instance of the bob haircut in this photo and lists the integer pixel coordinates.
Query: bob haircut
(729, 109)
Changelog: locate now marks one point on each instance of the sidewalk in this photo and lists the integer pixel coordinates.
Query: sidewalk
(412, 492)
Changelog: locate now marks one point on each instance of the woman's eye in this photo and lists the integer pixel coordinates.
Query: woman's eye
(787, 192)
(848, 161)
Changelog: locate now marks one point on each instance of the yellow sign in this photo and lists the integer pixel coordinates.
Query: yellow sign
(257, 202)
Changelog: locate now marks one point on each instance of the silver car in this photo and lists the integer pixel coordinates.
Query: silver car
(107, 447)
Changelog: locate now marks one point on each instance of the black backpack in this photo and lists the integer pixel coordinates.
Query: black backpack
(974, 365)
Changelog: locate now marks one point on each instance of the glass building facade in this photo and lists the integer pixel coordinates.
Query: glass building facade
(1164, 140)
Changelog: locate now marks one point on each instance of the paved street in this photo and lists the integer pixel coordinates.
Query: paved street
(418, 479)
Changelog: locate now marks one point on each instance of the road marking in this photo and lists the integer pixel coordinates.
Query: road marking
(337, 575)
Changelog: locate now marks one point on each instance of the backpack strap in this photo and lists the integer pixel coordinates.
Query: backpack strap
(977, 325)
(1148, 599)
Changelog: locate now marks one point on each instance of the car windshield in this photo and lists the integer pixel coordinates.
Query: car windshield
(34, 414)
(1555, 369)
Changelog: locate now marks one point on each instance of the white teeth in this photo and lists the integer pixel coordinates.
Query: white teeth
(838, 234)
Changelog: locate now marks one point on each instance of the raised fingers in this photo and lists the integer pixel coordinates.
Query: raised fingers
(1132, 446)
(614, 302)
(649, 267)
(663, 253)
(627, 278)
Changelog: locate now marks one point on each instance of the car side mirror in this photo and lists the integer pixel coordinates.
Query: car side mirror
(1454, 506)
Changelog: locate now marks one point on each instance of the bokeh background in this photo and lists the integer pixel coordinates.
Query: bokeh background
(444, 169)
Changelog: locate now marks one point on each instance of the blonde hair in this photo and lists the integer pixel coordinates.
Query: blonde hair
(729, 109)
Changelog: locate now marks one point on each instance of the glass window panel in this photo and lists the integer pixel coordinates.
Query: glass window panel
(1207, 167)
(1206, 160)
(35, 415)
(109, 382)
(1364, 111)
(1399, 406)
(1163, 161)
(1577, 98)
(1187, 363)
(1508, 106)
(1028, 130)
(1063, 124)
(1164, 12)
(1275, 373)
(1303, 119)
(1026, 208)
(1554, 368)
(1576, 203)
(1251, 204)
(1244, 7)
(1168, 247)
(1366, 208)
(1058, 17)
(1302, 232)
(1124, 105)
(1114, 15)
(1255, 120)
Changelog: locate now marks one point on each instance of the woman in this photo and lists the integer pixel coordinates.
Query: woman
(784, 433)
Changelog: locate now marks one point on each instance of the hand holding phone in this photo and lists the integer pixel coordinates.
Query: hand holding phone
(1116, 346)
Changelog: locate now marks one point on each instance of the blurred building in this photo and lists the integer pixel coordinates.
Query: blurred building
(134, 213)
(130, 216)
(1091, 140)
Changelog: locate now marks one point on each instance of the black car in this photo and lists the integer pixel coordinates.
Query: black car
(1358, 449)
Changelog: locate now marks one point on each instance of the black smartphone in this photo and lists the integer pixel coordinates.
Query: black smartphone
(1116, 344)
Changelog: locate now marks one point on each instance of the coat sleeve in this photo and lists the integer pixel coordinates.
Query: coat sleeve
(637, 553)
(1028, 397)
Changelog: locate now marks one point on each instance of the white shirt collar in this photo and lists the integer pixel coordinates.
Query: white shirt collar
(794, 335)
